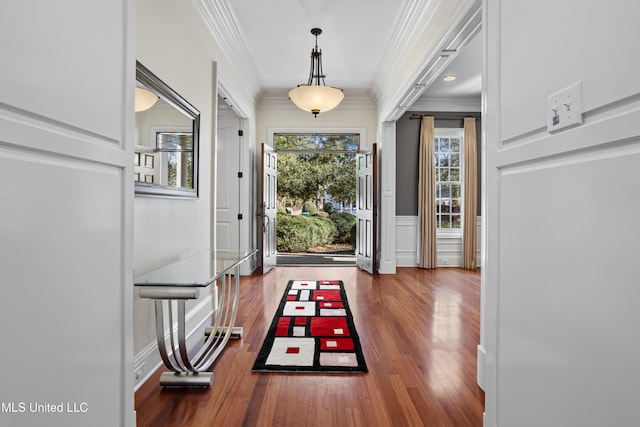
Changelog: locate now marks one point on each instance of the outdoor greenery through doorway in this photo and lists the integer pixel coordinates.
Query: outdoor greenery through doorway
(316, 193)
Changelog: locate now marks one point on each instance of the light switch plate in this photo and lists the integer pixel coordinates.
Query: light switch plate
(564, 108)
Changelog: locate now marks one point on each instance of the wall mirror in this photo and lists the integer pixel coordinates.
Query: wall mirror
(167, 134)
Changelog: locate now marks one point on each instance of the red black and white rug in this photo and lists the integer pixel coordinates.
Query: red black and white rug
(312, 331)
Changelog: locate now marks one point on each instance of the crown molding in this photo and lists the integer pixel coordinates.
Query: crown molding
(223, 26)
(408, 28)
(460, 28)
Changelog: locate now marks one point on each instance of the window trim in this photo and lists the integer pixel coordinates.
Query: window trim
(453, 132)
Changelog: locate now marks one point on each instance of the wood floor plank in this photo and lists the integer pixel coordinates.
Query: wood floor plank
(418, 329)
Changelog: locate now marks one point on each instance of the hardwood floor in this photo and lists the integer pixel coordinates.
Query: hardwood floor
(419, 330)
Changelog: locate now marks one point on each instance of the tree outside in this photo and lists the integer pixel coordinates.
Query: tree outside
(311, 177)
(313, 182)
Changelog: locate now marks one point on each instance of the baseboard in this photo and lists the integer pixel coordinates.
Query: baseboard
(482, 357)
(147, 361)
(387, 268)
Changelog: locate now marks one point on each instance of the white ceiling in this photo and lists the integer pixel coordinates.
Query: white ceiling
(271, 40)
(353, 40)
(467, 68)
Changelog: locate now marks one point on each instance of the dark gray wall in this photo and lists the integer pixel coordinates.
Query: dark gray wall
(407, 149)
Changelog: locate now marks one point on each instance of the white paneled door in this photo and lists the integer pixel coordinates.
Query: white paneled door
(268, 207)
(66, 207)
(228, 183)
(366, 203)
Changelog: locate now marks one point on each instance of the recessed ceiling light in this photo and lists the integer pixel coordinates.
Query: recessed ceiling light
(449, 78)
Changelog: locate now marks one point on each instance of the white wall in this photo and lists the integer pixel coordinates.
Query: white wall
(172, 45)
(560, 287)
(175, 44)
(66, 209)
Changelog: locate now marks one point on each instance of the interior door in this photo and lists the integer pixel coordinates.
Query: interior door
(268, 208)
(366, 205)
(228, 189)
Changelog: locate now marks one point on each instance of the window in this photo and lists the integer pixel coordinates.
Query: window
(177, 150)
(342, 142)
(447, 161)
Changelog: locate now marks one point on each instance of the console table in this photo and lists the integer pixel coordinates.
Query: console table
(170, 286)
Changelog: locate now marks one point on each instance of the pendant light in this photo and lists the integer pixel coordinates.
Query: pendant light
(316, 96)
(145, 99)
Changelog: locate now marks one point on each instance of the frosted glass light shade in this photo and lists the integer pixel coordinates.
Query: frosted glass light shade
(144, 99)
(316, 99)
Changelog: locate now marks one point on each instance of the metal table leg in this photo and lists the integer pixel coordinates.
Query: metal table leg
(193, 371)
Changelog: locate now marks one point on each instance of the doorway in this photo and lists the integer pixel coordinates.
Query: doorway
(316, 221)
(235, 191)
(228, 164)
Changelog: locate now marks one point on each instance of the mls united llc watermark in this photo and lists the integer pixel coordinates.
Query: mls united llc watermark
(44, 407)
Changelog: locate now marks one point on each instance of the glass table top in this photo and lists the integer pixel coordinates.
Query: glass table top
(197, 270)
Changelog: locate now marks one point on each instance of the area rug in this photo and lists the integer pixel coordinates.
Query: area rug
(312, 332)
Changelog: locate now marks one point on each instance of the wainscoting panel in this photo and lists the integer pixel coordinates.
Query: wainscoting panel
(449, 251)
(560, 333)
(407, 241)
(449, 247)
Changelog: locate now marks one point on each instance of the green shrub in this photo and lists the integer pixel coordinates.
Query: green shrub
(346, 226)
(297, 233)
(328, 208)
(290, 235)
(281, 209)
(309, 207)
(323, 231)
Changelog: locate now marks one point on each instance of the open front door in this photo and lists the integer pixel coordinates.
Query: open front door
(268, 208)
(366, 205)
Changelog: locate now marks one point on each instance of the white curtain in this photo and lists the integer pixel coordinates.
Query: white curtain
(470, 197)
(426, 195)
